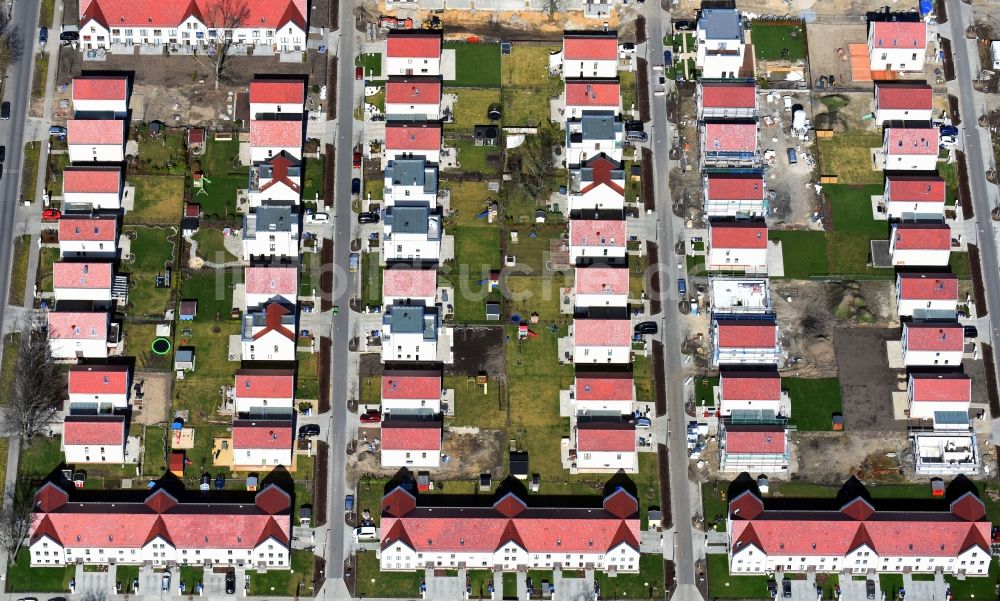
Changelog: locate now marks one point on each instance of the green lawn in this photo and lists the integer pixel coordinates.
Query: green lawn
(21, 577)
(476, 65)
(46, 257)
(976, 588)
(55, 164)
(477, 252)
(39, 458)
(472, 406)
(312, 182)
(509, 580)
(479, 580)
(11, 345)
(528, 85)
(222, 168)
(372, 62)
(647, 584)
(849, 157)
(138, 338)
(960, 266)
(199, 391)
(468, 201)
(125, 574)
(776, 41)
(471, 107)
(704, 390)
(723, 586)
(152, 248)
(29, 173)
(803, 251)
(19, 270)
(39, 76)
(528, 294)
(154, 461)
(191, 576)
(159, 199)
(475, 159)
(211, 246)
(889, 584)
(849, 244)
(164, 154)
(642, 375)
(814, 401)
(949, 173)
(371, 583)
(286, 583)
(630, 95)
(214, 291)
(714, 505)
(307, 385)
(371, 279)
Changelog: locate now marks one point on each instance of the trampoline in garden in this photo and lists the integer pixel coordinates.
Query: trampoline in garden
(160, 346)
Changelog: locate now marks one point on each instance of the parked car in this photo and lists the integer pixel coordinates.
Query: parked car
(317, 217)
(668, 58)
(633, 125)
(947, 141)
(646, 327)
(367, 217)
(643, 422)
(359, 73)
(870, 589)
(57, 130)
(371, 417)
(356, 186)
(5, 110)
(165, 582)
(627, 48)
(230, 583)
(51, 215)
(364, 533)
(357, 160)
(3, 154)
(682, 287)
(348, 502)
(309, 430)
(636, 136)
(43, 36)
(971, 331)
(792, 156)
(949, 130)
(786, 588)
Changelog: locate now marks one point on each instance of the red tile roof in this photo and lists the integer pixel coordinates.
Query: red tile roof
(272, 14)
(399, 136)
(597, 279)
(723, 95)
(904, 96)
(602, 332)
(940, 388)
(734, 187)
(929, 336)
(601, 173)
(737, 333)
(88, 229)
(928, 286)
(273, 280)
(911, 140)
(264, 384)
(280, 164)
(98, 379)
(276, 134)
(730, 136)
(914, 188)
(590, 48)
(90, 276)
(94, 430)
(750, 386)
(276, 91)
(755, 439)
(95, 131)
(737, 234)
(411, 385)
(405, 282)
(413, 90)
(411, 436)
(604, 387)
(262, 434)
(401, 44)
(273, 313)
(919, 236)
(72, 325)
(100, 87)
(597, 232)
(604, 436)
(899, 34)
(92, 180)
(593, 93)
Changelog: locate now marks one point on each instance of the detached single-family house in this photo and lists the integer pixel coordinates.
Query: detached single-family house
(729, 144)
(727, 100)
(592, 95)
(737, 246)
(598, 184)
(271, 231)
(273, 136)
(594, 133)
(88, 237)
(753, 448)
(912, 197)
(410, 140)
(741, 389)
(416, 98)
(413, 53)
(920, 244)
(81, 334)
(903, 101)
(911, 148)
(413, 443)
(83, 281)
(278, 180)
(592, 55)
(99, 188)
(264, 390)
(735, 195)
(409, 392)
(604, 341)
(897, 45)
(268, 334)
(406, 284)
(929, 394)
(410, 180)
(96, 140)
(924, 295)
(721, 44)
(277, 96)
(100, 389)
(411, 233)
(603, 392)
(411, 333)
(606, 446)
(932, 344)
(101, 94)
(746, 342)
(94, 438)
(266, 283)
(601, 286)
(596, 239)
(258, 442)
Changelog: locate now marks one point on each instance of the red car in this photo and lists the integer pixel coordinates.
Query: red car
(359, 73)
(51, 215)
(357, 160)
(371, 417)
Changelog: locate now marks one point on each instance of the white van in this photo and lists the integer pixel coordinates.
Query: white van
(365, 533)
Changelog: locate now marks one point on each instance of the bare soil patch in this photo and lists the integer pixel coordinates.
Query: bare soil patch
(478, 349)
(471, 455)
(866, 381)
(157, 390)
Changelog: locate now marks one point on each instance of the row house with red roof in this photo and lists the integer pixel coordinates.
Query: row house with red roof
(412, 392)
(929, 395)
(511, 535)
(600, 286)
(270, 283)
(735, 195)
(737, 246)
(276, 96)
(745, 341)
(597, 239)
(903, 101)
(944, 441)
(897, 42)
(99, 188)
(415, 98)
(268, 333)
(101, 95)
(926, 295)
(95, 429)
(600, 392)
(82, 334)
(910, 147)
(412, 140)
(262, 442)
(88, 281)
(88, 237)
(275, 135)
(161, 530)
(727, 99)
(859, 537)
(263, 390)
(413, 53)
(582, 95)
(754, 447)
(587, 54)
(731, 143)
(914, 197)
(96, 140)
(280, 24)
(920, 244)
(933, 344)
(742, 389)
(411, 442)
(602, 341)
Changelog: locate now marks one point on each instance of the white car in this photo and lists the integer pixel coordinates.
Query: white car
(318, 218)
(365, 533)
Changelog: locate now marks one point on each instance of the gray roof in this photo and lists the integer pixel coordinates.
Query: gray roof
(413, 172)
(413, 219)
(598, 125)
(269, 218)
(721, 24)
(413, 319)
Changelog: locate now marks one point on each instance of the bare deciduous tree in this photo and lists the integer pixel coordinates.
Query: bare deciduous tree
(534, 162)
(224, 17)
(11, 41)
(39, 386)
(15, 519)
